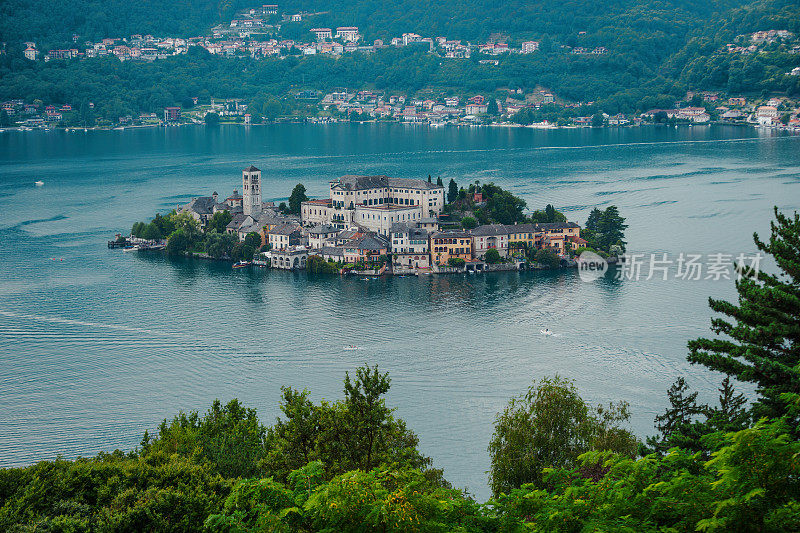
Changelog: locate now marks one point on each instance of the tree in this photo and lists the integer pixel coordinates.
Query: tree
(151, 232)
(550, 212)
(218, 245)
(549, 427)
(598, 120)
(5, 120)
(211, 119)
(611, 229)
(502, 206)
(492, 256)
(491, 107)
(679, 426)
(178, 243)
(253, 240)
(593, 220)
(469, 222)
(439, 181)
(456, 262)
(297, 197)
(219, 221)
(358, 432)
(363, 398)
(229, 438)
(452, 191)
(758, 341)
(547, 258)
(137, 229)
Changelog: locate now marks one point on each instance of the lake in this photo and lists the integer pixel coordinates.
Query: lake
(98, 345)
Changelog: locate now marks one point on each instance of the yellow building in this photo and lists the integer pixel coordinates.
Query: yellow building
(558, 236)
(528, 234)
(554, 235)
(450, 244)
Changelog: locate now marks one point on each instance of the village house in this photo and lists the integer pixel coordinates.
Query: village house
(172, 114)
(524, 236)
(558, 235)
(283, 236)
(322, 33)
(319, 235)
(348, 34)
(31, 53)
(695, 114)
(446, 245)
(487, 237)
(409, 246)
(366, 249)
(766, 115)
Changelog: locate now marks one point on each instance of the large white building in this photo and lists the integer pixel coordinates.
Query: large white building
(347, 34)
(375, 203)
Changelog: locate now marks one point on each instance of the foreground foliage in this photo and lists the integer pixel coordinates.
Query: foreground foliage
(557, 464)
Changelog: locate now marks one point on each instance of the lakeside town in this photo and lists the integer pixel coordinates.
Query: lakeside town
(256, 33)
(344, 106)
(370, 225)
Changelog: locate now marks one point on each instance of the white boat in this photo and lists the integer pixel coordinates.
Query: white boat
(133, 248)
(38, 183)
(546, 332)
(351, 347)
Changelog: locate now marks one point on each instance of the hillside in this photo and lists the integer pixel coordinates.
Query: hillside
(656, 50)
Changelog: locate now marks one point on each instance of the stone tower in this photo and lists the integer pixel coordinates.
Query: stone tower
(251, 191)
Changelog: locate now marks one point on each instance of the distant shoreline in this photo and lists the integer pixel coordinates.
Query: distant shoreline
(539, 126)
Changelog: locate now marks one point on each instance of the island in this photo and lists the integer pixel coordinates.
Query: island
(375, 225)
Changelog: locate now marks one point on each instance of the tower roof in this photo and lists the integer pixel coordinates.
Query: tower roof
(251, 168)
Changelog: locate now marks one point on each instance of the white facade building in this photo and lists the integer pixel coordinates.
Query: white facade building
(375, 202)
(347, 33)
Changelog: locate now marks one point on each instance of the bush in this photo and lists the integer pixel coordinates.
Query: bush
(456, 262)
(469, 222)
(211, 119)
(317, 265)
(547, 258)
(492, 256)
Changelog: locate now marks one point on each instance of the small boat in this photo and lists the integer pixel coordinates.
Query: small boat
(546, 331)
(241, 264)
(132, 248)
(38, 183)
(350, 347)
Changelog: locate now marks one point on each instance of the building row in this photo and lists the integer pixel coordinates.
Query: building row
(367, 217)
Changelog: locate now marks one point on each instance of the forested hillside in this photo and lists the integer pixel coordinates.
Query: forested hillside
(657, 50)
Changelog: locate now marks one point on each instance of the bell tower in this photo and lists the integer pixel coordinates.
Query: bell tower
(251, 191)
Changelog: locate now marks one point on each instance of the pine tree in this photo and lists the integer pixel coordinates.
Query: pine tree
(439, 181)
(731, 415)
(758, 343)
(594, 219)
(679, 425)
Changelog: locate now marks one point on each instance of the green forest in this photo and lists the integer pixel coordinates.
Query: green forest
(558, 463)
(657, 51)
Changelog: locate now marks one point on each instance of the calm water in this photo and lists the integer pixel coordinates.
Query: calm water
(97, 345)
